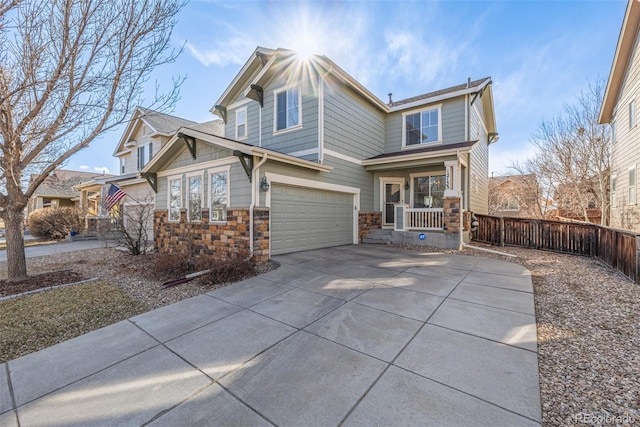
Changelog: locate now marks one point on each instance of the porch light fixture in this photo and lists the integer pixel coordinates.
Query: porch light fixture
(406, 185)
(264, 185)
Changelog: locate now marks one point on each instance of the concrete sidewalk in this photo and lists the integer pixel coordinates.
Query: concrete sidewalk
(55, 248)
(355, 335)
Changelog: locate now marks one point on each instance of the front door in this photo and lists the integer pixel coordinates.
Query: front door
(392, 193)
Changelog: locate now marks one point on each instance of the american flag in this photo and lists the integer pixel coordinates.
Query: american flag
(113, 196)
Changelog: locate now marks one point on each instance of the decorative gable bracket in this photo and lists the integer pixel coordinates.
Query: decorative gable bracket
(152, 179)
(223, 112)
(259, 93)
(191, 143)
(244, 158)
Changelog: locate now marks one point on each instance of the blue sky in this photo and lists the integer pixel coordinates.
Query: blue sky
(540, 54)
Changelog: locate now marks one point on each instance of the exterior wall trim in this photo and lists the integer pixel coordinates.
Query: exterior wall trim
(227, 161)
(342, 157)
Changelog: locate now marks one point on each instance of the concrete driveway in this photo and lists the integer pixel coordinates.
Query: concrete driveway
(355, 335)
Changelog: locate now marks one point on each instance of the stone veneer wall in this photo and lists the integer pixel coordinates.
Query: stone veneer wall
(451, 214)
(221, 240)
(368, 221)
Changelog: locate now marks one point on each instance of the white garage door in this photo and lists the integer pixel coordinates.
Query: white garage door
(306, 218)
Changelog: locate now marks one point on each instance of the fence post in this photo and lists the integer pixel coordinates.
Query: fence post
(636, 270)
(501, 231)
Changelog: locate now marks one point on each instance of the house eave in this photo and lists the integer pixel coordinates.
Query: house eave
(436, 154)
(439, 98)
(624, 50)
(153, 165)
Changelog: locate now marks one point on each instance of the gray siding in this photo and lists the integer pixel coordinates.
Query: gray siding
(344, 173)
(452, 124)
(298, 139)
(479, 164)
(625, 150)
(353, 127)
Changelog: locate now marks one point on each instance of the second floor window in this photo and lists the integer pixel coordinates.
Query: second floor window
(121, 166)
(144, 155)
(241, 123)
(287, 108)
(422, 127)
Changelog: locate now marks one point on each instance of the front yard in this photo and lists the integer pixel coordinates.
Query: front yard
(588, 321)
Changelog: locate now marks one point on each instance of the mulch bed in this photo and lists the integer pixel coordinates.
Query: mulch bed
(39, 281)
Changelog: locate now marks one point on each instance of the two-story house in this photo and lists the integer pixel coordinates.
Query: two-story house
(310, 158)
(620, 107)
(146, 133)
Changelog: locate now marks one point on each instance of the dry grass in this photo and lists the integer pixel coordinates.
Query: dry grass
(34, 322)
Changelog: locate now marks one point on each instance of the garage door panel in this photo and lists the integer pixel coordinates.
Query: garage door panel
(307, 218)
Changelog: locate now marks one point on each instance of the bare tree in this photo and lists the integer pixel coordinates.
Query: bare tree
(525, 189)
(573, 155)
(69, 71)
(132, 227)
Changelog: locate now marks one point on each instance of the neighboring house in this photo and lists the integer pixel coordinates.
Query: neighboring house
(620, 108)
(585, 208)
(57, 190)
(145, 135)
(310, 158)
(517, 196)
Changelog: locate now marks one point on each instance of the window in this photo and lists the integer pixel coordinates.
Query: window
(428, 191)
(121, 165)
(175, 197)
(632, 114)
(510, 204)
(613, 132)
(287, 109)
(219, 199)
(632, 185)
(145, 152)
(422, 127)
(613, 190)
(241, 123)
(194, 207)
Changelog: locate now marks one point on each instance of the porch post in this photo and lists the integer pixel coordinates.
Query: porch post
(452, 178)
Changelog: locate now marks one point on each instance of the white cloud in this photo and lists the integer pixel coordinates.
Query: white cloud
(83, 167)
(227, 52)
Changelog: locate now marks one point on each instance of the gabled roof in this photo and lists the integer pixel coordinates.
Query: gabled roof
(624, 50)
(265, 63)
(174, 145)
(159, 123)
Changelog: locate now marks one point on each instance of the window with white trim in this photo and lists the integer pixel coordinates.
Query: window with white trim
(241, 123)
(632, 185)
(427, 191)
(614, 178)
(122, 163)
(632, 114)
(287, 109)
(509, 204)
(219, 195)
(175, 198)
(145, 152)
(194, 199)
(422, 127)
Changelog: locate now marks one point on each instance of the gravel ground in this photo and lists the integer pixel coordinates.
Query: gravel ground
(588, 325)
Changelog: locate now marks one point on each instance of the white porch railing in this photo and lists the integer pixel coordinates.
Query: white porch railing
(418, 218)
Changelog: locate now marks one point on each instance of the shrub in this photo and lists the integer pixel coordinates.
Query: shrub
(176, 265)
(55, 223)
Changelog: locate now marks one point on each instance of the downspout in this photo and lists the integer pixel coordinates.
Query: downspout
(255, 195)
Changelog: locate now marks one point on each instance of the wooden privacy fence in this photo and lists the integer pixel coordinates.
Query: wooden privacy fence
(616, 248)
